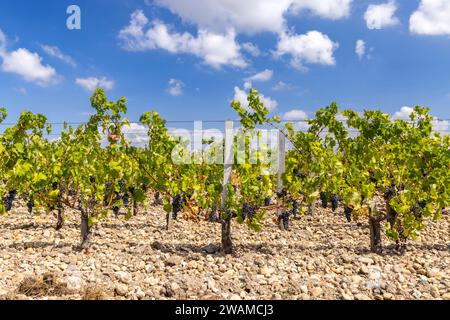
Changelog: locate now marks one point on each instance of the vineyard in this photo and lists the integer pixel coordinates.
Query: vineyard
(360, 187)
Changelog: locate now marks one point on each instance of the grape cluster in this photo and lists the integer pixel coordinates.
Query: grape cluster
(334, 202)
(177, 205)
(297, 173)
(422, 204)
(323, 198)
(126, 199)
(267, 201)
(417, 210)
(282, 193)
(284, 216)
(72, 192)
(248, 211)
(121, 184)
(348, 213)
(9, 199)
(389, 193)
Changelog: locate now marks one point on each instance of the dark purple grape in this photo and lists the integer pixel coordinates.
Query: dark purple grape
(348, 213)
(285, 219)
(30, 205)
(126, 199)
(334, 202)
(282, 193)
(177, 205)
(267, 201)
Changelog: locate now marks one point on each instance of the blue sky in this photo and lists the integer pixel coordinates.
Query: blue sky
(188, 61)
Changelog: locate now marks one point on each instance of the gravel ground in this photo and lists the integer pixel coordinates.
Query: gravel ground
(320, 257)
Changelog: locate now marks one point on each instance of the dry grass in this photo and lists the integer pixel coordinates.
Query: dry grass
(94, 293)
(45, 285)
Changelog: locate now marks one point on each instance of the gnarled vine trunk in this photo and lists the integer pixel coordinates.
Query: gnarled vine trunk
(375, 233)
(169, 220)
(60, 218)
(85, 228)
(135, 208)
(227, 244)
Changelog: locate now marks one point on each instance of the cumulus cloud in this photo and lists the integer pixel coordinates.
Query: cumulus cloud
(313, 47)
(438, 125)
(431, 18)
(252, 16)
(56, 52)
(241, 96)
(378, 16)
(91, 83)
(214, 49)
(175, 87)
(329, 9)
(26, 64)
(360, 48)
(298, 117)
(29, 66)
(262, 76)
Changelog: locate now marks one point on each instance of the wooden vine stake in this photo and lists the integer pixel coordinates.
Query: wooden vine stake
(227, 244)
(280, 171)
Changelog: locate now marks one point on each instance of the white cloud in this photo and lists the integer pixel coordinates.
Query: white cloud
(175, 87)
(241, 96)
(295, 114)
(360, 48)
(313, 47)
(262, 76)
(438, 125)
(298, 117)
(403, 114)
(247, 85)
(379, 16)
(251, 48)
(91, 83)
(431, 18)
(136, 134)
(252, 16)
(329, 9)
(56, 52)
(26, 64)
(282, 86)
(214, 49)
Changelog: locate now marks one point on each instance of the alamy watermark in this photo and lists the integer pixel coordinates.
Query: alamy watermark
(207, 146)
(73, 22)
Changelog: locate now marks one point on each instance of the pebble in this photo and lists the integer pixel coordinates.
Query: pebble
(137, 259)
(121, 289)
(316, 292)
(123, 277)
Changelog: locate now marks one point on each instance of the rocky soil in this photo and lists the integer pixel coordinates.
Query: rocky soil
(321, 257)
